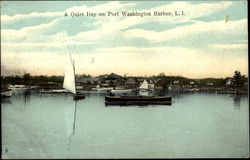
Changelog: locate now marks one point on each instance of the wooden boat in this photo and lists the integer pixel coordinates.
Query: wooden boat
(69, 81)
(121, 90)
(6, 93)
(138, 100)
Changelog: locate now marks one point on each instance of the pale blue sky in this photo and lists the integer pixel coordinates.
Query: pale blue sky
(200, 44)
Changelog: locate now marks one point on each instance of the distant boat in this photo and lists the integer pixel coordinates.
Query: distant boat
(121, 90)
(69, 81)
(21, 87)
(144, 86)
(103, 88)
(6, 93)
(17, 87)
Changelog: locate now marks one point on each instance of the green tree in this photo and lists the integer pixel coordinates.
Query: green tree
(26, 78)
(161, 75)
(238, 78)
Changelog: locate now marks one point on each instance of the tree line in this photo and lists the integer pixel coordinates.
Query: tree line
(237, 79)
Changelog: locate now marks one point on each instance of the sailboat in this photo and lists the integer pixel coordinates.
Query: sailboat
(144, 86)
(69, 81)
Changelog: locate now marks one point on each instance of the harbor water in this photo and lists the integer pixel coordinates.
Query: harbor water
(195, 125)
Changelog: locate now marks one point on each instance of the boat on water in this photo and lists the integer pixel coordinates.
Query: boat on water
(121, 90)
(146, 87)
(16, 86)
(69, 82)
(236, 92)
(130, 100)
(6, 93)
(103, 88)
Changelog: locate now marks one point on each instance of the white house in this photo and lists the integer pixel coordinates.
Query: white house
(229, 81)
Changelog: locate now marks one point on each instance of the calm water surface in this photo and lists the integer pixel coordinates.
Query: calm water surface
(54, 126)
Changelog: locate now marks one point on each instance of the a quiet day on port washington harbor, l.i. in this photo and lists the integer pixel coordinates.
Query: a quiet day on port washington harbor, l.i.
(124, 79)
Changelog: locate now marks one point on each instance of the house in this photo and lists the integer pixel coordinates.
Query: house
(229, 81)
(192, 83)
(47, 85)
(114, 76)
(139, 81)
(151, 84)
(115, 80)
(177, 82)
(131, 82)
(86, 83)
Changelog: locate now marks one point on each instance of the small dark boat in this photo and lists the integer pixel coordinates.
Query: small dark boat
(79, 95)
(130, 100)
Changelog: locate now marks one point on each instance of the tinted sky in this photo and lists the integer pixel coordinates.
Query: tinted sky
(210, 40)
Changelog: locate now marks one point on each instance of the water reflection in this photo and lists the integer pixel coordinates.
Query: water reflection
(155, 126)
(74, 127)
(26, 94)
(237, 99)
(140, 105)
(6, 100)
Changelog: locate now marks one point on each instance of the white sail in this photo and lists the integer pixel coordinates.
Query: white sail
(144, 85)
(69, 78)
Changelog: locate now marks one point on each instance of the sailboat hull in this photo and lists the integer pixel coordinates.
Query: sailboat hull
(79, 96)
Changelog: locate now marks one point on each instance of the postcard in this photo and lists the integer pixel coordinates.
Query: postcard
(124, 79)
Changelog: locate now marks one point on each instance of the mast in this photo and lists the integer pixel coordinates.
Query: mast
(74, 73)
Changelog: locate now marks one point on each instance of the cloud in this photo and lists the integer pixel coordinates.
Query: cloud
(232, 27)
(114, 6)
(40, 48)
(106, 26)
(36, 63)
(25, 45)
(26, 33)
(132, 60)
(38, 32)
(230, 46)
(191, 11)
(171, 60)
(11, 19)
(110, 6)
